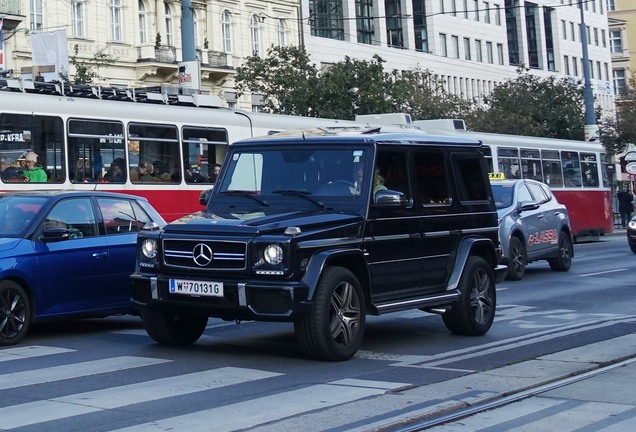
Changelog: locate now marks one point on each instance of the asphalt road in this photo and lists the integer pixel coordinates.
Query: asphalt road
(107, 375)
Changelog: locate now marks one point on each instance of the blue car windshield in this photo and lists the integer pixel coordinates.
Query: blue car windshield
(17, 213)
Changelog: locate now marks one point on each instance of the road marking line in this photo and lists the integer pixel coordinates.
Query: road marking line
(116, 397)
(75, 370)
(251, 413)
(24, 352)
(603, 272)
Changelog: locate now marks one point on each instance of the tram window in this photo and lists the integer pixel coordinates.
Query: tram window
(43, 135)
(552, 173)
(93, 146)
(153, 151)
(571, 169)
(488, 156)
(202, 148)
(589, 170)
(508, 160)
(531, 164)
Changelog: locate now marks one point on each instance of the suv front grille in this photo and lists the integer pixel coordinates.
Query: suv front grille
(208, 255)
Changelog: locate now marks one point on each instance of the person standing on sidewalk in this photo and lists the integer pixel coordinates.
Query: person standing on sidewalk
(625, 205)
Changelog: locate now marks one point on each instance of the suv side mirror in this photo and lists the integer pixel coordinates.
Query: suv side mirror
(389, 197)
(205, 197)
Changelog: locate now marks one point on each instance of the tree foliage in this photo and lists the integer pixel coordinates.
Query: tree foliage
(619, 131)
(87, 71)
(285, 79)
(529, 105)
(526, 105)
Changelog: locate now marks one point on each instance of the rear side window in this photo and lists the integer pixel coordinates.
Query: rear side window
(430, 178)
(122, 215)
(469, 176)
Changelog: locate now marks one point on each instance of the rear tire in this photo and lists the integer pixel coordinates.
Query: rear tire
(334, 326)
(173, 328)
(564, 261)
(15, 313)
(517, 259)
(474, 312)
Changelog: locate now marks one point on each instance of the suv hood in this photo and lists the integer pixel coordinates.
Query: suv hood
(259, 222)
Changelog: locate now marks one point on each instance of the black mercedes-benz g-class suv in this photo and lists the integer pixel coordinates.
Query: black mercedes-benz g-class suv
(321, 229)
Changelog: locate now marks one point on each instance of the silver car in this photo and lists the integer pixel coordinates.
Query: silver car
(533, 226)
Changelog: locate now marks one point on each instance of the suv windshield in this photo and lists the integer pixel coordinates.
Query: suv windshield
(303, 173)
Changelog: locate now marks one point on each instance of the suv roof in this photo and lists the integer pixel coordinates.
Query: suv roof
(375, 135)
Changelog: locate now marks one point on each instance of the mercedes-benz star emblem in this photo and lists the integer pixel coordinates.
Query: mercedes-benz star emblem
(202, 254)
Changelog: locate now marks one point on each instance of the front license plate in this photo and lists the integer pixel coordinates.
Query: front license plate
(196, 288)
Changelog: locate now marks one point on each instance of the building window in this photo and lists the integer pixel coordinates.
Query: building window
(620, 83)
(603, 38)
(394, 30)
(489, 53)
(226, 31)
(77, 18)
(531, 36)
(326, 19)
(455, 42)
(566, 65)
(478, 52)
(364, 21)
(616, 42)
(500, 53)
(195, 25)
(255, 32)
(611, 5)
(143, 26)
(443, 45)
(169, 27)
(35, 15)
(606, 67)
(476, 9)
(282, 33)
(454, 7)
(467, 52)
(564, 29)
(419, 26)
(497, 15)
(575, 66)
(116, 21)
(572, 32)
(441, 6)
(512, 33)
(466, 9)
(596, 36)
(487, 12)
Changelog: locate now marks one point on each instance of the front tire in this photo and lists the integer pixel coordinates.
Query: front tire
(517, 260)
(334, 326)
(15, 313)
(564, 261)
(173, 328)
(474, 312)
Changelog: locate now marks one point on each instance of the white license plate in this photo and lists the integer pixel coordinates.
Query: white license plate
(196, 288)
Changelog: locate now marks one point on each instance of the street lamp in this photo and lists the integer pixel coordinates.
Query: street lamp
(590, 118)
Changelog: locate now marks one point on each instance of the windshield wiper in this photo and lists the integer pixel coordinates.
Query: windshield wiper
(245, 193)
(300, 193)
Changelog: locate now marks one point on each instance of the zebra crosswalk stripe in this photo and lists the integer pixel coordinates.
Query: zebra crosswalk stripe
(75, 370)
(32, 413)
(24, 352)
(258, 411)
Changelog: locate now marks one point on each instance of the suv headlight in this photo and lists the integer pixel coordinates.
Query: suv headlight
(149, 248)
(273, 254)
(270, 258)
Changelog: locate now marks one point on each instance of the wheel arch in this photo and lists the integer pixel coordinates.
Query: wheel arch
(468, 247)
(351, 259)
(27, 289)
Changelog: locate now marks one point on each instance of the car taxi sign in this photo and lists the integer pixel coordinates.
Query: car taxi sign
(496, 176)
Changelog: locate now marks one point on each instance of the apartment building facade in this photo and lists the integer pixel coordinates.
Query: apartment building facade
(472, 45)
(622, 31)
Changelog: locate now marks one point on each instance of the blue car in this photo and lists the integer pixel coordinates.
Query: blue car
(66, 255)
